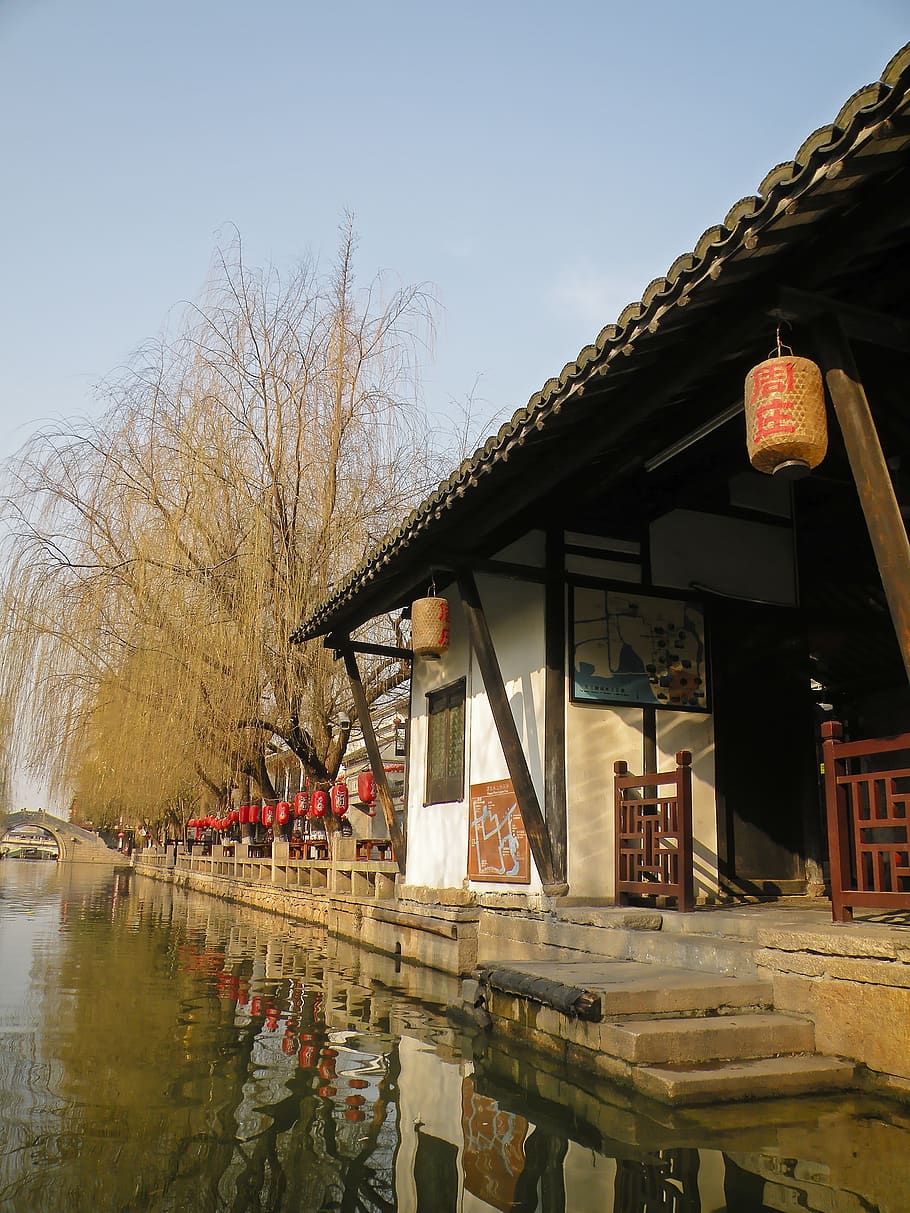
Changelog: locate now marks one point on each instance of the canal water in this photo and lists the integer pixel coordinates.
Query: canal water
(161, 1050)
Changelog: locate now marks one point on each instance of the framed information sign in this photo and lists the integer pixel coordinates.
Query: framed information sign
(638, 649)
(497, 842)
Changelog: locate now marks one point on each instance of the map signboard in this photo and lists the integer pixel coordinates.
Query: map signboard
(497, 842)
(639, 649)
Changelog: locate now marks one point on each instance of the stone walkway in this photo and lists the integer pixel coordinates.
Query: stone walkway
(724, 1003)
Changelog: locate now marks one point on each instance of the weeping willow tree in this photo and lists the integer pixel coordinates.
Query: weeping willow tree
(159, 558)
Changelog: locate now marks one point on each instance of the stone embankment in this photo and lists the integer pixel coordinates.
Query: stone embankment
(720, 1004)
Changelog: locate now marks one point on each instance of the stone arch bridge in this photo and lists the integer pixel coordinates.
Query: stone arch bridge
(73, 843)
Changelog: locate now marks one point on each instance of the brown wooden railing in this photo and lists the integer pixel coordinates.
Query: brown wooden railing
(654, 833)
(868, 821)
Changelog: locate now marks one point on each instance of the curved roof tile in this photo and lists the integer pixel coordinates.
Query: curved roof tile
(744, 221)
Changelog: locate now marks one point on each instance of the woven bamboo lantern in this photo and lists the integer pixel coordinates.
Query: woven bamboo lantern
(429, 627)
(786, 428)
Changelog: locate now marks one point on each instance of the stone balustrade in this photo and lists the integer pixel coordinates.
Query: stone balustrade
(309, 870)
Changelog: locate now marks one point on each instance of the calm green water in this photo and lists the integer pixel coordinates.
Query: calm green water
(164, 1051)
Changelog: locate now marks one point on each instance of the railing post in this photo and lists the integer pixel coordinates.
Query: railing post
(684, 793)
(620, 768)
(836, 816)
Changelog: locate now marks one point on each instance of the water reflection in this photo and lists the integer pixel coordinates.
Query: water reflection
(165, 1051)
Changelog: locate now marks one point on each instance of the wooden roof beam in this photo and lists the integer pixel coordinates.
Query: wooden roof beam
(858, 323)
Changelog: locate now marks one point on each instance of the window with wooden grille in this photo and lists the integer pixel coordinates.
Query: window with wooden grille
(445, 744)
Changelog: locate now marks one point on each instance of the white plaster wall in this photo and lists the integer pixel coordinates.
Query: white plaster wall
(437, 833)
(595, 738)
(730, 555)
(515, 612)
(695, 732)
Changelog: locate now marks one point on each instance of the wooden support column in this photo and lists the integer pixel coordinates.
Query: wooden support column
(870, 472)
(372, 747)
(554, 762)
(522, 784)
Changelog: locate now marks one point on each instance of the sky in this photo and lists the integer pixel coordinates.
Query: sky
(535, 165)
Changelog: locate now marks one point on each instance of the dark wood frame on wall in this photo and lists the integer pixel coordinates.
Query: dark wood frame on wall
(636, 590)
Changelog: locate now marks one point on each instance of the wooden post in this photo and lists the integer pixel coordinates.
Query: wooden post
(555, 702)
(523, 785)
(870, 472)
(372, 747)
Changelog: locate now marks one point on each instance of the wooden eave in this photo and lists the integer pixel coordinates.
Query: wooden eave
(834, 221)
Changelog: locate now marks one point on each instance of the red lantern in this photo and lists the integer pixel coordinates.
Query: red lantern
(254, 814)
(301, 804)
(327, 1068)
(366, 787)
(234, 816)
(429, 627)
(358, 1083)
(786, 425)
(256, 1006)
(244, 814)
(353, 1114)
(339, 798)
(319, 803)
(268, 815)
(283, 812)
(307, 1056)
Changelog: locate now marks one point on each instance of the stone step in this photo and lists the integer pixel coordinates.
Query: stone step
(704, 953)
(761, 1078)
(697, 1041)
(628, 987)
(631, 935)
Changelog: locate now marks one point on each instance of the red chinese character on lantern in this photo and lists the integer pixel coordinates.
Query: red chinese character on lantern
(770, 382)
(772, 379)
(773, 418)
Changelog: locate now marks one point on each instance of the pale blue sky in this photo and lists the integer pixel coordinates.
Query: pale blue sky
(536, 163)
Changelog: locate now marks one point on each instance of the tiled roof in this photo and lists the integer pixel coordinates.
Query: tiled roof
(827, 166)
